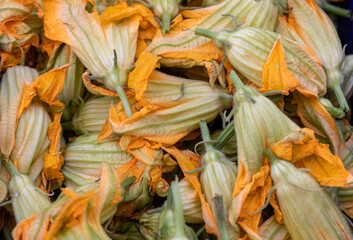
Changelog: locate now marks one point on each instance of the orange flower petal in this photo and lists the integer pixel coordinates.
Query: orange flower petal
(276, 75)
(205, 52)
(250, 198)
(314, 116)
(138, 78)
(304, 150)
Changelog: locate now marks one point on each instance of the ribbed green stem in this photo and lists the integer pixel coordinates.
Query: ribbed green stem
(340, 97)
(271, 156)
(225, 136)
(125, 101)
(11, 168)
(166, 18)
(205, 135)
(178, 210)
(236, 80)
(335, 10)
(205, 33)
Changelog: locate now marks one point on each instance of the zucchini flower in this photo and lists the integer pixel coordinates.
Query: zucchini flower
(171, 221)
(24, 140)
(259, 123)
(165, 10)
(105, 44)
(20, 84)
(149, 224)
(76, 214)
(321, 37)
(25, 197)
(13, 83)
(217, 181)
(308, 211)
(16, 35)
(271, 229)
(148, 183)
(191, 203)
(170, 99)
(32, 142)
(83, 158)
(268, 60)
(73, 87)
(91, 116)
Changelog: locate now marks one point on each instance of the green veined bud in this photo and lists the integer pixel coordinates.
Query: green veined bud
(32, 140)
(183, 116)
(165, 10)
(271, 229)
(73, 86)
(149, 225)
(84, 156)
(308, 211)
(191, 203)
(139, 191)
(248, 49)
(322, 38)
(218, 180)
(91, 117)
(12, 84)
(171, 222)
(263, 15)
(26, 198)
(257, 121)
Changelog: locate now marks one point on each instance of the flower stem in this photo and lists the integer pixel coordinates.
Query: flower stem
(336, 10)
(11, 168)
(236, 80)
(178, 210)
(205, 135)
(205, 33)
(224, 137)
(125, 101)
(340, 97)
(271, 156)
(166, 23)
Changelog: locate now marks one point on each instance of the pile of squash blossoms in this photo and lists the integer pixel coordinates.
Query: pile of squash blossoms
(169, 119)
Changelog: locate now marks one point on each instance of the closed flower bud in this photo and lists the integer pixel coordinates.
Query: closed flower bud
(165, 10)
(32, 140)
(177, 115)
(308, 211)
(12, 84)
(73, 87)
(139, 191)
(149, 225)
(263, 15)
(318, 32)
(26, 198)
(191, 203)
(271, 229)
(84, 156)
(257, 121)
(249, 48)
(91, 117)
